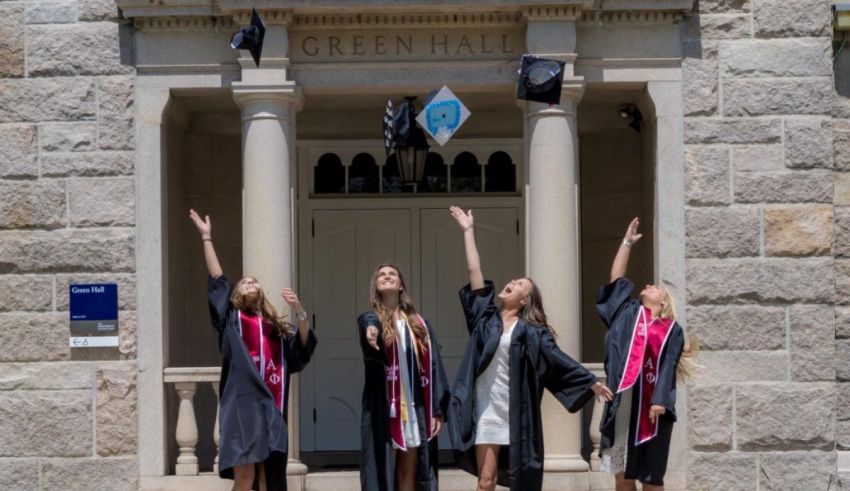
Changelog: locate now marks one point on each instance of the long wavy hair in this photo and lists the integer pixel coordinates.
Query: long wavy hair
(257, 303)
(687, 366)
(532, 312)
(405, 305)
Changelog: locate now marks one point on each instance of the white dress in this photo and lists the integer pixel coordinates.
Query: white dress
(492, 396)
(411, 426)
(614, 458)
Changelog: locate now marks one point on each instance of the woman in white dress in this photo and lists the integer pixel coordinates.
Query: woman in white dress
(510, 358)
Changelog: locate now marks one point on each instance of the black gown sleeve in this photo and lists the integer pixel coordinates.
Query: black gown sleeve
(565, 378)
(440, 389)
(365, 320)
(611, 298)
(478, 304)
(297, 354)
(218, 294)
(665, 387)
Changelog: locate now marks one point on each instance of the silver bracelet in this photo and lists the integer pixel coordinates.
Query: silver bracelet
(627, 243)
(302, 316)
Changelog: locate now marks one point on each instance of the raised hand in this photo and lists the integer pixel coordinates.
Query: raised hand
(372, 337)
(465, 220)
(291, 299)
(632, 234)
(204, 226)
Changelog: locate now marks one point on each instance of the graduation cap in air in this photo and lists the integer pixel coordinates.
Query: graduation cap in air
(251, 37)
(540, 80)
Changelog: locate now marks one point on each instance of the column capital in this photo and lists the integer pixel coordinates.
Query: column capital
(287, 94)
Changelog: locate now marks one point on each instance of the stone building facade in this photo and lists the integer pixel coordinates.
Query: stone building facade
(115, 118)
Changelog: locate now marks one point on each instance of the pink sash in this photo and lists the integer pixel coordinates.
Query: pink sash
(266, 351)
(394, 389)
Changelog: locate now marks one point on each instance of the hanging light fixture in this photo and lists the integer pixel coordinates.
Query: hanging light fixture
(410, 145)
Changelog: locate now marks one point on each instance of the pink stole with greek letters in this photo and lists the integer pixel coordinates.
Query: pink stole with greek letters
(394, 389)
(266, 351)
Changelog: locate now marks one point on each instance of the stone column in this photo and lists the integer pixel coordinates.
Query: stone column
(553, 227)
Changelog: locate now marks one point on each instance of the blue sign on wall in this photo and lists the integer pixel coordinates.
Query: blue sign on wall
(94, 315)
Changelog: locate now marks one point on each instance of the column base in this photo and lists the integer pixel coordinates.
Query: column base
(186, 469)
(565, 463)
(295, 468)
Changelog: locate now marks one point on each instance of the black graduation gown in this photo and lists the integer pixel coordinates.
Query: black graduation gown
(536, 363)
(252, 430)
(646, 462)
(377, 470)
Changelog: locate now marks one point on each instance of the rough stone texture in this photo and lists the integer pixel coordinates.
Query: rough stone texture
(57, 424)
(757, 158)
(743, 366)
(841, 144)
(759, 97)
(842, 391)
(51, 13)
(101, 202)
(19, 475)
(707, 175)
(732, 327)
(32, 204)
(89, 48)
(802, 230)
(116, 113)
(18, 149)
(700, 80)
(92, 10)
(841, 246)
(812, 342)
(117, 474)
(808, 143)
(116, 410)
(722, 6)
(777, 58)
(784, 187)
(770, 416)
(842, 324)
(69, 250)
(710, 417)
(787, 280)
(842, 359)
(842, 281)
(800, 18)
(47, 99)
(11, 42)
(87, 164)
(68, 137)
(34, 337)
(126, 287)
(127, 335)
(722, 232)
(842, 188)
(842, 435)
(26, 293)
(724, 26)
(45, 376)
(733, 130)
(739, 471)
(795, 470)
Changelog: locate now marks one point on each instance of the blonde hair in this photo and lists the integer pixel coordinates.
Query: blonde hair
(687, 366)
(405, 305)
(258, 303)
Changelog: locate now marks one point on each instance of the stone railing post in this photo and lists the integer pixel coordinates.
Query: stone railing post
(187, 430)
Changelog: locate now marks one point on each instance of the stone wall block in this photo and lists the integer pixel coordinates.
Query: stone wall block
(739, 471)
(102, 202)
(743, 366)
(724, 6)
(56, 424)
(32, 204)
(116, 410)
(842, 405)
(763, 97)
(795, 470)
(842, 281)
(842, 322)
(68, 137)
(725, 26)
(727, 130)
(784, 187)
(18, 149)
(700, 79)
(842, 188)
(841, 144)
(786, 280)
(51, 13)
(11, 42)
(94, 10)
(722, 232)
(19, 475)
(842, 359)
(47, 99)
(808, 143)
(800, 18)
(812, 342)
(757, 158)
(70, 250)
(841, 245)
(34, 337)
(33, 293)
(127, 334)
(87, 48)
(710, 417)
(87, 164)
(45, 376)
(707, 175)
(116, 113)
(777, 58)
(114, 474)
(803, 230)
(126, 287)
(785, 416)
(737, 327)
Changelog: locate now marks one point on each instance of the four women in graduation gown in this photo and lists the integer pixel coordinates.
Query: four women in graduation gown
(643, 347)
(530, 361)
(259, 353)
(405, 395)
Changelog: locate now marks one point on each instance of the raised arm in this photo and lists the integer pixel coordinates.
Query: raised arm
(205, 229)
(621, 260)
(473, 261)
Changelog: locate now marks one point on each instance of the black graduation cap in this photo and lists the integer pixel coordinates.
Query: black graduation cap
(540, 80)
(251, 37)
(389, 127)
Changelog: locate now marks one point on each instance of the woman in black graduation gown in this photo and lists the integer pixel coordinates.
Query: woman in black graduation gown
(405, 395)
(510, 358)
(259, 353)
(644, 349)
